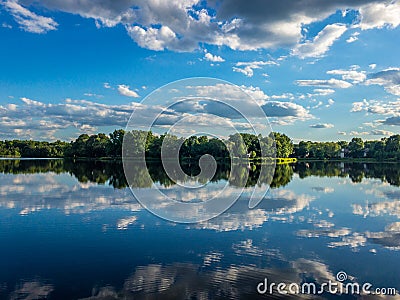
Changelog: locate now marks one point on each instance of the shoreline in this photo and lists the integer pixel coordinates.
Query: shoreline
(278, 160)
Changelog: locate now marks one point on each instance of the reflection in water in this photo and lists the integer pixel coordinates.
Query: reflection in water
(111, 172)
(32, 290)
(96, 242)
(32, 193)
(189, 281)
(389, 238)
(378, 209)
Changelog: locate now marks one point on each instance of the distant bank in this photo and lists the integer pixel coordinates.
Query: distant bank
(241, 145)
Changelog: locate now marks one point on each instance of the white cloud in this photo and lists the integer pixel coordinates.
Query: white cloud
(28, 20)
(353, 37)
(181, 25)
(32, 102)
(246, 71)
(350, 75)
(227, 91)
(329, 83)
(284, 112)
(12, 107)
(33, 119)
(247, 67)
(377, 107)
(152, 38)
(323, 92)
(358, 133)
(330, 103)
(214, 58)
(389, 79)
(106, 85)
(125, 91)
(378, 15)
(381, 132)
(322, 125)
(37, 119)
(321, 43)
(372, 66)
(288, 110)
(283, 96)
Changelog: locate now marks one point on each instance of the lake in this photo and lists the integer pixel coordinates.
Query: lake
(73, 230)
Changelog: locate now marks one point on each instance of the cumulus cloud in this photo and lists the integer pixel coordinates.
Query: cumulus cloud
(283, 96)
(392, 121)
(32, 102)
(381, 132)
(152, 38)
(247, 68)
(350, 75)
(323, 92)
(180, 25)
(378, 15)
(321, 43)
(45, 119)
(32, 118)
(322, 125)
(329, 83)
(213, 58)
(389, 79)
(285, 109)
(358, 133)
(125, 91)
(330, 103)
(286, 112)
(353, 37)
(28, 20)
(379, 107)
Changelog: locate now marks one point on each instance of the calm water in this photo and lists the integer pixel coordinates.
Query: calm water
(73, 230)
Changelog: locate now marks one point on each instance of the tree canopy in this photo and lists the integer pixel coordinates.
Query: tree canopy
(238, 145)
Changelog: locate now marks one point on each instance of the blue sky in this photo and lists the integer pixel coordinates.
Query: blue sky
(68, 66)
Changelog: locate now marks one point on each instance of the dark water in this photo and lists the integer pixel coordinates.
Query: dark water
(72, 230)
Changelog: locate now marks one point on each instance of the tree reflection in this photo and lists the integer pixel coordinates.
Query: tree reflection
(111, 172)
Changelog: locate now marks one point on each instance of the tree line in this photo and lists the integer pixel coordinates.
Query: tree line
(102, 145)
(384, 149)
(239, 145)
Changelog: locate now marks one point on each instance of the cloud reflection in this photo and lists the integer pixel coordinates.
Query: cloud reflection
(190, 281)
(32, 290)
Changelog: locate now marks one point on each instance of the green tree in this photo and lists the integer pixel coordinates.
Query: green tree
(284, 145)
(356, 148)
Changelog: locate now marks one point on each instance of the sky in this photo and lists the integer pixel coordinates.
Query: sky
(320, 70)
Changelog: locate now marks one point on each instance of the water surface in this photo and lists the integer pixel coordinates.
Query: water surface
(73, 230)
